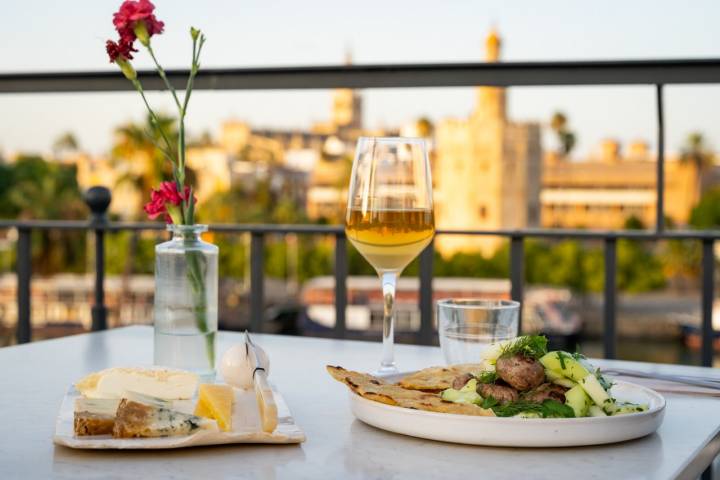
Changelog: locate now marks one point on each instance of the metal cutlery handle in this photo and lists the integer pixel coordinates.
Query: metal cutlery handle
(695, 381)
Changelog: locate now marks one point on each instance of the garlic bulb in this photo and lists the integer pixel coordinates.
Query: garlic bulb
(236, 367)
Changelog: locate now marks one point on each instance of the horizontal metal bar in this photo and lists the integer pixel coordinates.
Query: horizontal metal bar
(620, 72)
(310, 229)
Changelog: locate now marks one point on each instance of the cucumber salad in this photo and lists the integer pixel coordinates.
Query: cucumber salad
(520, 378)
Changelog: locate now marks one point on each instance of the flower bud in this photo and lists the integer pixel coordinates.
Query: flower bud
(141, 32)
(127, 69)
(194, 33)
(175, 214)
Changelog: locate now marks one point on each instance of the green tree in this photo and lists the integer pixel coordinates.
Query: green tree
(706, 214)
(67, 142)
(136, 154)
(566, 138)
(47, 190)
(696, 151)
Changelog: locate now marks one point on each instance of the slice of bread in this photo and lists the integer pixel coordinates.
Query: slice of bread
(87, 423)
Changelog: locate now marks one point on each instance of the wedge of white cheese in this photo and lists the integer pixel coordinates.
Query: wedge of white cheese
(97, 406)
(164, 384)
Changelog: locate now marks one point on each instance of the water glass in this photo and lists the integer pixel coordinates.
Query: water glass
(468, 326)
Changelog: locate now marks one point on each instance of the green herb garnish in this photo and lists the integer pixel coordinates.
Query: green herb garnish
(561, 357)
(547, 409)
(531, 346)
(488, 376)
(604, 382)
(489, 402)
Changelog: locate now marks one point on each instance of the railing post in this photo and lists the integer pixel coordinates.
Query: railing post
(708, 287)
(257, 279)
(517, 273)
(609, 308)
(425, 302)
(341, 273)
(23, 266)
(98, 199)
(660, 182)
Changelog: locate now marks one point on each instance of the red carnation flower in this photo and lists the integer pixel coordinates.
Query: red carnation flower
(130, 14)
(121, 50)
(165, 200)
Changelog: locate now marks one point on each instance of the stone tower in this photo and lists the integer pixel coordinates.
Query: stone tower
(490, 101)
(346, 105)
(487, 170)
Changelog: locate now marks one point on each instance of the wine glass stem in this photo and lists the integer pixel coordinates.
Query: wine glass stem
(389, 281)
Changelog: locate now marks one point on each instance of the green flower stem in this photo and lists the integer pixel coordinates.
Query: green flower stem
(161, 72)
(138, 86)
(196, 270)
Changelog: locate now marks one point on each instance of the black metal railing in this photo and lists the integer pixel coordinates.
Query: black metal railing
(652, 73)
(426, 333)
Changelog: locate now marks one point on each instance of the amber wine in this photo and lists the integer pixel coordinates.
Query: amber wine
(390, 239)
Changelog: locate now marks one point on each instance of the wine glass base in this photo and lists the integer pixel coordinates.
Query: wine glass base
(386, 371)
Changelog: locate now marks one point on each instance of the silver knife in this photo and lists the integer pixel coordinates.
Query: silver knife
(263, 392)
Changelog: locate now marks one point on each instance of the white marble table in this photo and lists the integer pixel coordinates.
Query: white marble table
(35, 377)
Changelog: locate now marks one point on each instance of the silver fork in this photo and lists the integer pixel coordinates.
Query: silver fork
(685, 379)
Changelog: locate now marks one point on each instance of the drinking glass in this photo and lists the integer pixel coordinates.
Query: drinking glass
(468, 326)
(390, 216)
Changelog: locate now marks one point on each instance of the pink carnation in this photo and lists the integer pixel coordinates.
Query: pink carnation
(130, 13)
(121, 50)
(160, 198)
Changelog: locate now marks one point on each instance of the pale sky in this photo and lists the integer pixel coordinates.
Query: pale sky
(50, 35)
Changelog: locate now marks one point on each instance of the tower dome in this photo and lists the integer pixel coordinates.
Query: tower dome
(492, 46)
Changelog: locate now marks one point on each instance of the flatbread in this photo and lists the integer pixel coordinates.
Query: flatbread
(376, 389)
(435, 379)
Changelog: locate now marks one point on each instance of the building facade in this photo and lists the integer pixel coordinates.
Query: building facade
(486, 170)
(605, 191)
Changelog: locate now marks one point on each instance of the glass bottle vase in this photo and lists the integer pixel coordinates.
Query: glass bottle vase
(186, 296)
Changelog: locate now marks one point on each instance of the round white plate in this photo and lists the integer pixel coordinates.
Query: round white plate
(519, 432)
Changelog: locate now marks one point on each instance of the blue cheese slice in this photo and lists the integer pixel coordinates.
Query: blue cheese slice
(140, 420)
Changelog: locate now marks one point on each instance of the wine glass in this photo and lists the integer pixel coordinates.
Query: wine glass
(389, 216)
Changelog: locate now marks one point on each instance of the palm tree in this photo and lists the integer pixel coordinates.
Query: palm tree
(136, 148)
(696, 152)
(566, 138)
(45, 190)
(66, 142)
